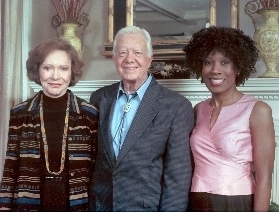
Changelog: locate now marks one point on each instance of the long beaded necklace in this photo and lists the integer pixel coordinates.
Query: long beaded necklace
(63, 155)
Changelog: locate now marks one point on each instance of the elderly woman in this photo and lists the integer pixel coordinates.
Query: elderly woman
(233, 142)
(52, 137)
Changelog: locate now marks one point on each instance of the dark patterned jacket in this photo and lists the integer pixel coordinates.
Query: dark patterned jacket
(20, 187)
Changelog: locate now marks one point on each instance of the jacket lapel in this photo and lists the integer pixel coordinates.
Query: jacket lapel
(106, 111)
(147, 110)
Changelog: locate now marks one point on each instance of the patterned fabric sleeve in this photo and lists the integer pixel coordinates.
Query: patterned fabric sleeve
(11, 164)
(82, 150)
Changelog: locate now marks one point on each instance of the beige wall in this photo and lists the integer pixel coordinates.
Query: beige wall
(99, 67)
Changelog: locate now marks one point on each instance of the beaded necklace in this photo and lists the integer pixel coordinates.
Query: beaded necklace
(63, 155)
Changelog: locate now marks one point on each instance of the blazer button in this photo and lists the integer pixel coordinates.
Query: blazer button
(72, 174)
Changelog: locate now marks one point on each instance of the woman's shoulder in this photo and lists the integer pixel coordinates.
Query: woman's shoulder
(89, 107)
(261, 108)
(85, 106)
(261, 115)
(203, 103)
(19, 107)
(27, 105)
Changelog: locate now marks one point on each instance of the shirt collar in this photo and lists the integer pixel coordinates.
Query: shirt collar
(141, 90)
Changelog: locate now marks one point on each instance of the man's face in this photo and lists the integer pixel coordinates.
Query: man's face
(131, 59)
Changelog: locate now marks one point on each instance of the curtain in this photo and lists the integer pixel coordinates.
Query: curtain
(11, 66)
(275, 177)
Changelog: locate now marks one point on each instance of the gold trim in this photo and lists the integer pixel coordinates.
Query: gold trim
(234, 13)
(129, 13)
(158, 42)
(177, 41)
(111, 21)
(212, 12)
(169, 52)
(156, 52)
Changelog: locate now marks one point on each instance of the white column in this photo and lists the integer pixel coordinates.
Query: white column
(25, 44)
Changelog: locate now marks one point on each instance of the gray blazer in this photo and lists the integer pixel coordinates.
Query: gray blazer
(153, 169)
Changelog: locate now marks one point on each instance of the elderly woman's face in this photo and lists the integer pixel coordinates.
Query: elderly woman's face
(218, 73)
(55, 73)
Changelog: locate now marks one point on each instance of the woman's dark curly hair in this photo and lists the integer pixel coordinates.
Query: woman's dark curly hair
(239, 48)
(40, 52)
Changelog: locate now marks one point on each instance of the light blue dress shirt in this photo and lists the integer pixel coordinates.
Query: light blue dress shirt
(121, 121)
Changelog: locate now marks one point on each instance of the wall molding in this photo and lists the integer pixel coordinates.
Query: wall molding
(265, 89)
(261, 88)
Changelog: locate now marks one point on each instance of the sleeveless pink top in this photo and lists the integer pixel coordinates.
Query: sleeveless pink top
(223, 155)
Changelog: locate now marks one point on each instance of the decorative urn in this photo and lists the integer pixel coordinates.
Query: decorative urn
(266, 36)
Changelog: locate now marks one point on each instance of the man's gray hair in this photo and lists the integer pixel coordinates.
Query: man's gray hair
(134, 30)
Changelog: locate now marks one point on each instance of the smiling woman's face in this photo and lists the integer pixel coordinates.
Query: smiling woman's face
(218, 73)
(55, 73)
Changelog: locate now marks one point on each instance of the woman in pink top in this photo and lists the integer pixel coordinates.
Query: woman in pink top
(233, 142)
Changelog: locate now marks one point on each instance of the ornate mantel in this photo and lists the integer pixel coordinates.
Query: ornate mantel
(265, 89)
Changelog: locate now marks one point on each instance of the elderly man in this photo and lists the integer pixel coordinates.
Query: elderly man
(143, 160)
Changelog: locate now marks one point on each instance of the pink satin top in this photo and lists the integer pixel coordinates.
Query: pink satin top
(223, 155)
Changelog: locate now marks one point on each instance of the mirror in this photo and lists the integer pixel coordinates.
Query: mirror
(169, 22)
